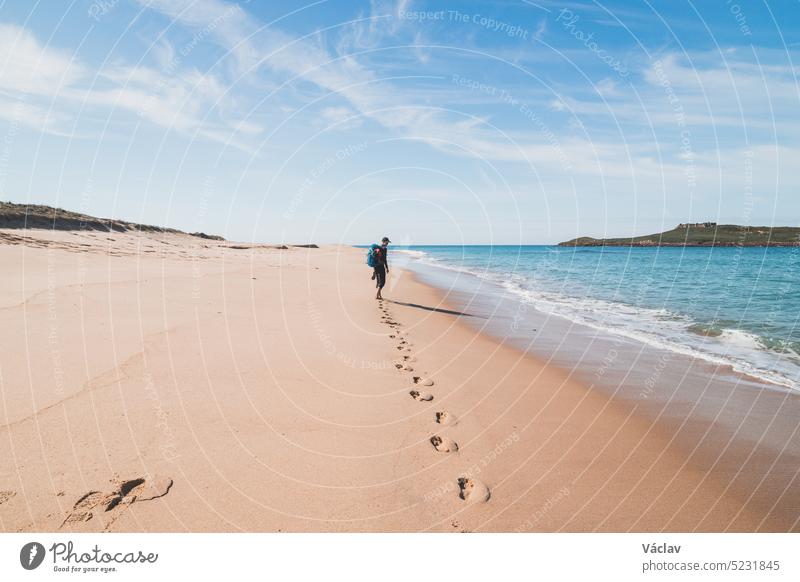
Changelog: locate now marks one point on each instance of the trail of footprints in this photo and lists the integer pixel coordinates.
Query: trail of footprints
(469, 490)
(125, 492)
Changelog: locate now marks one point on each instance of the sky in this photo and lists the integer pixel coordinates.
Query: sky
(494, 122)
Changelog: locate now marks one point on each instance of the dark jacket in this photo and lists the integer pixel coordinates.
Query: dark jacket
(382, 258)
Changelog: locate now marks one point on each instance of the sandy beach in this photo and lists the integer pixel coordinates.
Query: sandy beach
(165, 383)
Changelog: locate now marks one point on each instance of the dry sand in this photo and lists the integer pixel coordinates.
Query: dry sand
(160, 382)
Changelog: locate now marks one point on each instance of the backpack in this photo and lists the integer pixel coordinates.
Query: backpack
(372, 260)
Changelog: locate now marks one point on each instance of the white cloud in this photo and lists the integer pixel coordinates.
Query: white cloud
(51, 85)
(341, 116)
(28, 67)
(541, 29)
(22, 113)
(368, 31)
(607, 88)
(182, 98)
(304, 60)
(717, 90)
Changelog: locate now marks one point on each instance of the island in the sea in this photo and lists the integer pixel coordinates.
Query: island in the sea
(701, 234)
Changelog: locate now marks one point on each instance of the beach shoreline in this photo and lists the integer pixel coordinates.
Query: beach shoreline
(734, 426)
(196, 385)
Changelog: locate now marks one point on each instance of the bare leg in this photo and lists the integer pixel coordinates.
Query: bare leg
(381, 276)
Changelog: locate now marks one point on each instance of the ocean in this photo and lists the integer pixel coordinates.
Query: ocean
(736, 307)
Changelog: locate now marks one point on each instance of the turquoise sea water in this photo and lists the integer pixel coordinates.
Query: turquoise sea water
(737, 306)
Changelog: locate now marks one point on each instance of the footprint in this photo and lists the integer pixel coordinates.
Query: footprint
(423, 381)
(410, 358)
(82, 510)
(444, 444)
(126, 493)
(421, 396)
(408, 368)
(391, 335)
(6, 495)
(472, 490)
(398, 365)
(445, 418)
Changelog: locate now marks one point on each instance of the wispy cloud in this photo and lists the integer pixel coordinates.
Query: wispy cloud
(305, 60)
(332, 66)
(28, 67)
(53, 84)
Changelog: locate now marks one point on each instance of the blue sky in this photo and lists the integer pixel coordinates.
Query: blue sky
(502, 122)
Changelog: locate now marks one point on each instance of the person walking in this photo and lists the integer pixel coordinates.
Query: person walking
(381, 268)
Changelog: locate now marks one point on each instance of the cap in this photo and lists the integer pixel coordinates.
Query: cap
(385, 239)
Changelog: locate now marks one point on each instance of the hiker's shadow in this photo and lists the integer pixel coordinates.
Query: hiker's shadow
(436, 309)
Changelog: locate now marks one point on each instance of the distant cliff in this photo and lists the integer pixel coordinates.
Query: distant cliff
(702, 234)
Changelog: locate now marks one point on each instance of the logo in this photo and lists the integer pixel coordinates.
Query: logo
(31, 555)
